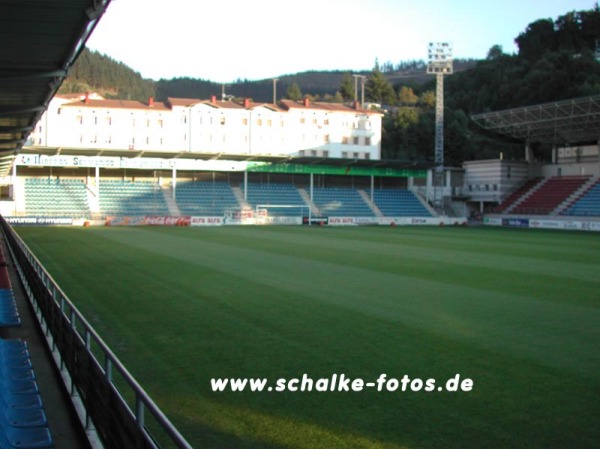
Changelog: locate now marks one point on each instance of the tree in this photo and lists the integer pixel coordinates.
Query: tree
(495, 52)
(378, 88)
(407, 97)
(427, 99)
(293, 92)
(538, 38)
(405, 117)
(347, 87)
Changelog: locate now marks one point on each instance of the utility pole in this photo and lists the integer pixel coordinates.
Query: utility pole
(362, 85)
(275, 90)
(439, 63)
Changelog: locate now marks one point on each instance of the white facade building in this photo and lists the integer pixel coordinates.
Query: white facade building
(210, 126)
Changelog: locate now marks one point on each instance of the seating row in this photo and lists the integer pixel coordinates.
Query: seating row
(9, 314)
(23, 422)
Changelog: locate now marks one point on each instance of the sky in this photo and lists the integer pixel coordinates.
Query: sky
(227, 40)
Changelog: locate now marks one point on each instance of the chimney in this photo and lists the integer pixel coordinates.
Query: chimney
(86, 99)
(247, 103)
(150, 101)
(213, 99)
(306, 102)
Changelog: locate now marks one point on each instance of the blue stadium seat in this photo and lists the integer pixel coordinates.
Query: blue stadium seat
(24, 438)
(341, 202)
(23, 422)
(9, 315)
(275, 194)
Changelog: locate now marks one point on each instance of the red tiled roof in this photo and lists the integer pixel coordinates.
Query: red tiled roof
(332, 107)
(118, 104)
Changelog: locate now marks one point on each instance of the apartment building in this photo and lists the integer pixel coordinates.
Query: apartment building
(295, 128)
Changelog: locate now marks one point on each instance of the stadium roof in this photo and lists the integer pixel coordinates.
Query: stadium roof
(39, 42)
(274, 159)
(565, 122)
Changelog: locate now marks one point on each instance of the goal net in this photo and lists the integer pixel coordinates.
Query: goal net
(281, 213)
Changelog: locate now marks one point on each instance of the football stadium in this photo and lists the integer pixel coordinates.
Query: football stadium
(198, 273)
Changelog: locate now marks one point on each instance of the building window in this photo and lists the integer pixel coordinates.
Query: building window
(356, 155)
(326, 121)
(367, 155)
(259, 122)
(109, 121)
(160, 123)
(302, 120)
(355, 140)
(345, 154)
(326, 138)
(325, 153)
(245, 121)
(79, 118)
(345, 140)
(222, 120)
(313, 152)
(269, 122)
(367, 141)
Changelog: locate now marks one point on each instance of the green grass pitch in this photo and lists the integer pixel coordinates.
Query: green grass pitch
(517, 311)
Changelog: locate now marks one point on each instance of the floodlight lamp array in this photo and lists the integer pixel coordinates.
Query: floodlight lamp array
(440, 58)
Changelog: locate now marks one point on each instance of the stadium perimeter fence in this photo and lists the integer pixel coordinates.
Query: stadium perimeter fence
(109, 402)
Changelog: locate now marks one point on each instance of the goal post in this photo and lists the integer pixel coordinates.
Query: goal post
(283, 210)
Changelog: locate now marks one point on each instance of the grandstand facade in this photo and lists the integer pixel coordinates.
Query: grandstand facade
(100, 160)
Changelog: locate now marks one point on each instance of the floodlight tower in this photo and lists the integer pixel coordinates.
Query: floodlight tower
(439, 63)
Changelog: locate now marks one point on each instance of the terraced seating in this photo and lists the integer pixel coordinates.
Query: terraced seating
(131, 198)
(23, 422)
(399, 203)
(9, 314)
(518, 193)
(552, 193)
(274, 194)
(341, 202)
(586, 205)
(56, 197)
(205, 198)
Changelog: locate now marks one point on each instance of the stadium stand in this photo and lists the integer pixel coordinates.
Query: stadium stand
(9, 314)
(341, 202)
(399, 203)
(23, 422)
(56, 197)
(518, 193)
(205, 198)
(587, 204)
(274, 194)
(550, 195)
(131, 198)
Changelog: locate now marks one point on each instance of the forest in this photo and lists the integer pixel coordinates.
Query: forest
(557, 59)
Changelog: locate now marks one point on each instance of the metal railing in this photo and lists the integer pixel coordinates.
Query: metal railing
(119, 409)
